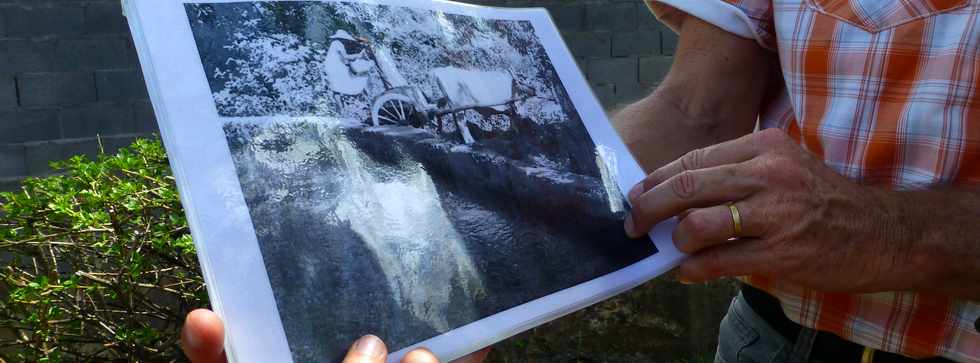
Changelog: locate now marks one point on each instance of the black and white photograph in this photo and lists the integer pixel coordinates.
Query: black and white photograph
(422, 168)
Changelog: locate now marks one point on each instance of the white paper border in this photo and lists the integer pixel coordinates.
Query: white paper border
(222, 228)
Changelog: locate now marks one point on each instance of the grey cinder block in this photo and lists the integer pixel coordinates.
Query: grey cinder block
(112, 144)
(88, 147)
(120, 85)
(32, 19)
(10, 185)
(21, 55)
(669, 41)
(105, 18)
(39, 155)
(91, 54)
(145, 118)
(612, 16)
(643, 42)
(568, 17)
(18, 125)
(3, 22)
(613, 70)
(54, 89)
(97, 119)
(12, 161)
(590, 44)
(654, 69)
(8, 91)
(134, 59)
(645, 19)
(606, 93)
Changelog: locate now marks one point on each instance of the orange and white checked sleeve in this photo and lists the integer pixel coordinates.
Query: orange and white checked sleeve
(752, 19)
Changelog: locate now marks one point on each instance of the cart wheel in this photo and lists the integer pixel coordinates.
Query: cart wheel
(393, 108)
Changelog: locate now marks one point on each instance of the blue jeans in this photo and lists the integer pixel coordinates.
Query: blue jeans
(745, 337)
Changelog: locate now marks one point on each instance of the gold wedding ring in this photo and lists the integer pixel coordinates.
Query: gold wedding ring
(737, 219)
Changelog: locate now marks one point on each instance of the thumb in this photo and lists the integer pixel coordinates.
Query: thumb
(368, 349)
(202, 337)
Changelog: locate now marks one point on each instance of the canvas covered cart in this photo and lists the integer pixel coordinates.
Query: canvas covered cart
(487, 92)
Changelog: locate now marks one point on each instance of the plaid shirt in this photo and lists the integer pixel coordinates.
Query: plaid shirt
(886, 92)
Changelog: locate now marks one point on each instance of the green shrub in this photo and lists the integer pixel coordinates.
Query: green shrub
(98, 263)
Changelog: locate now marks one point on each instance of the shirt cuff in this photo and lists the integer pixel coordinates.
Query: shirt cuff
(715, 12)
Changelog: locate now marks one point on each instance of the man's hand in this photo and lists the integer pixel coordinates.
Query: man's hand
(203, 337)
(802, 222)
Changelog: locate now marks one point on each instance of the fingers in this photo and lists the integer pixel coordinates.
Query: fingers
(202, 337)
(688, 190)
(202, 340)
(421, 355)
(708, 227)
(738, 258)
(425, 356)
(368, 349)
(477, 357)
(731, 152)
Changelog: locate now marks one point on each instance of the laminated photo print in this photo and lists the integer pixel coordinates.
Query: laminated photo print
(437, 174)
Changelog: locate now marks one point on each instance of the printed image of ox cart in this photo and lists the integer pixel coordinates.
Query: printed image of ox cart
(487, 92)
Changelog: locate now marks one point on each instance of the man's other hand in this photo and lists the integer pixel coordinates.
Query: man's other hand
(801, 221)
(203, 342)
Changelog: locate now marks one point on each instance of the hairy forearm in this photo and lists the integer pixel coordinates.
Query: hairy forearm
(939, 234)
(712, 94)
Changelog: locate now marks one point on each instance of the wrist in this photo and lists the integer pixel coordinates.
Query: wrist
(893, 242)
(921, 253)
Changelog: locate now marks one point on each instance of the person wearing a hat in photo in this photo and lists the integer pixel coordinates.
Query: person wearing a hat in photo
(344, 51)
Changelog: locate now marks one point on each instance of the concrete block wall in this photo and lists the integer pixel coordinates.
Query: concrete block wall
(69, 84)
(69, 75)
